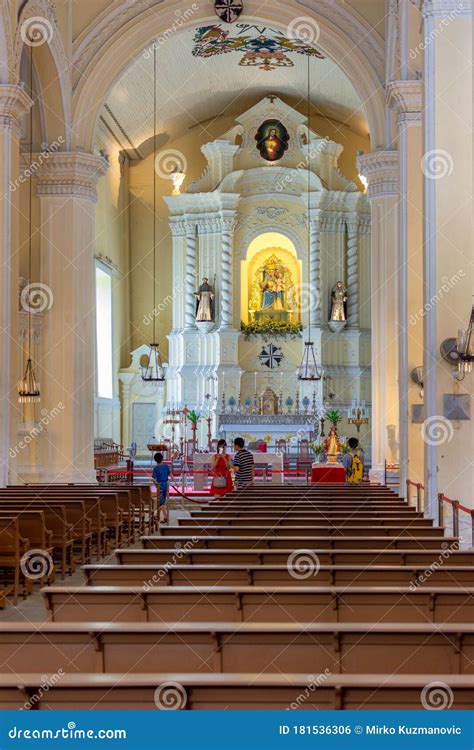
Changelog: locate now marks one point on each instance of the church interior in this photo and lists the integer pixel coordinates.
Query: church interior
(225, 220)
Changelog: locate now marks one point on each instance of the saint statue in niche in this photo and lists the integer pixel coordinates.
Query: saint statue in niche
(273, 294)
(273, 287)
(205, 302)
(338, 302)
(272, 140)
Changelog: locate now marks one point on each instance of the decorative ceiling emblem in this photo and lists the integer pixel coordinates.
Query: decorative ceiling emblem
(260, 45)
(271, 356)
(272, 140)
(228, 10)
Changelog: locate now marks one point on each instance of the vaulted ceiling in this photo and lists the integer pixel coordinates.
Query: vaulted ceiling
(192, 90)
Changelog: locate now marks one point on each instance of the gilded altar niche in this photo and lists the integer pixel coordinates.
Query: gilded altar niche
(272, 280)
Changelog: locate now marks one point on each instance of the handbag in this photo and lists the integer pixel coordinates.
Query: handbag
(220, 482)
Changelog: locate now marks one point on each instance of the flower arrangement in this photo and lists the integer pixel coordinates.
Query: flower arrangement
(269, 329)
(317, 448)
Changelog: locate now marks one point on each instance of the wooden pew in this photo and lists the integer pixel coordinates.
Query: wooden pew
(305, 520)
(262, 556)
(139, 496)
(254, 691)
(61, 529)
(291, 542)
(238, 647)
(259, 604)
(84, 514)
(179, 574)
(108, 514)
(188, 528)
(12, 548)
(38, 541)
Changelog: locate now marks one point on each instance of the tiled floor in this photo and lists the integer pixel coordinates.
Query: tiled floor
(32, 609)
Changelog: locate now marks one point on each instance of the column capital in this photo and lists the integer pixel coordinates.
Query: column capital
(14, 104)
(406, 98)
(71, 174)
(229, 222)
(381, 170)
(443, 8)
(352, 222)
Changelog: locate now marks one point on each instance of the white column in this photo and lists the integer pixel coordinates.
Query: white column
(190, 299)
(406, 98)
(448, 207)
(66, 187)
(315, 271)
(227, 298)
(381, 170)
(353, 271)
(14, 103)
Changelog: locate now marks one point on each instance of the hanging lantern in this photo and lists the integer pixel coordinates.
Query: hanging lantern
(309, 368)
(28, 387)
(465, 346)
(153, 371)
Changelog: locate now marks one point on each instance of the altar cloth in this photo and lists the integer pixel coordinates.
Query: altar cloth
(328, 473)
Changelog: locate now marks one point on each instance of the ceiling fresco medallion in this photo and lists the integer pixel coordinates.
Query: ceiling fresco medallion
(228, 10)
(260, 46)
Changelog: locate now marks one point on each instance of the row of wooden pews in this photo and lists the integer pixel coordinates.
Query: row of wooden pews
(53, 528)
(281, 597)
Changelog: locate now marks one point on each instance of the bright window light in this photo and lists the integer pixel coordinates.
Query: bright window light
(105, 386)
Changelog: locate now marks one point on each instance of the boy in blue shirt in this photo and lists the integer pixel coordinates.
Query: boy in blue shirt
(160, 477)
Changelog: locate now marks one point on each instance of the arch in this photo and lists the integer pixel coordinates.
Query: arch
(51, 71)
(6, 52)
(100, 55)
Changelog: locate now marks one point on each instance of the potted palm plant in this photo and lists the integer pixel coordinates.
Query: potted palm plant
(334, 416)
(194, 418)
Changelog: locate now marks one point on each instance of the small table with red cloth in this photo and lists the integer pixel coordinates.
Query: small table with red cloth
(333, 473)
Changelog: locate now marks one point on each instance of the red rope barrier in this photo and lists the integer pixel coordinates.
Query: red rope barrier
(460, 506)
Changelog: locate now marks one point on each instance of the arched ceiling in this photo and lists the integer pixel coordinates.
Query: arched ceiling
(192, 90)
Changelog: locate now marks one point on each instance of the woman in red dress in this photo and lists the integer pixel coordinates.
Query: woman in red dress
(221, 467)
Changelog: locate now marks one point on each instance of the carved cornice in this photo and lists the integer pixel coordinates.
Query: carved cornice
(182, 226)
(73, 173)
(381, 170)
(406, 98)
(331, 223)
(14, 104)
(443, 8)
